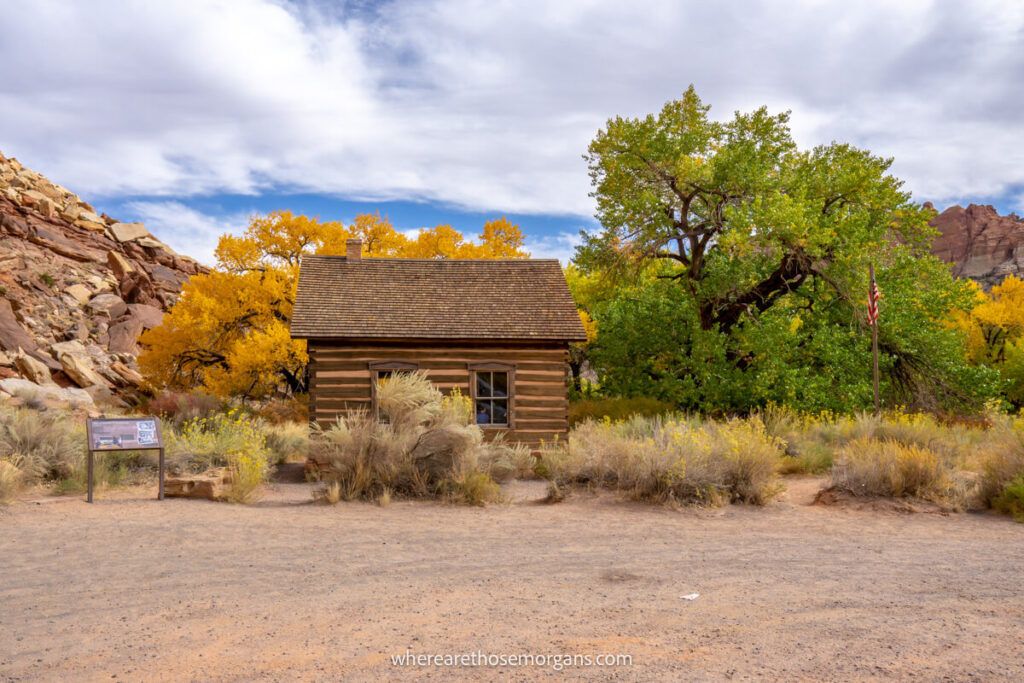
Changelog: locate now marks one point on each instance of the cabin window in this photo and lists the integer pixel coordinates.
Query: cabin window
(492, 394)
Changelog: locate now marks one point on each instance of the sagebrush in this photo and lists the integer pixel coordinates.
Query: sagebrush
(670, 459)
(890, 468)
(423, 445)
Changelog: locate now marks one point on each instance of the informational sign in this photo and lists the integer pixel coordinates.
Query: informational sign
(124, 434)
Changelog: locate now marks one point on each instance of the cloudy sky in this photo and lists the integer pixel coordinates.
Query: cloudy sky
(193, 115)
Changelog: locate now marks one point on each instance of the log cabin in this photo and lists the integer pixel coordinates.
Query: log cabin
(497, 330)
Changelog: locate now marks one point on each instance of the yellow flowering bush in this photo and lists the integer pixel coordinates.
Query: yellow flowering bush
(230, 440)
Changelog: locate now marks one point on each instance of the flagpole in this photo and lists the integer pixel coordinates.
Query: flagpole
(874, 337)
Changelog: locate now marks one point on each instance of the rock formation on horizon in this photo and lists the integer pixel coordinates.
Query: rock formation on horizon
(77, 291)
(980, 244)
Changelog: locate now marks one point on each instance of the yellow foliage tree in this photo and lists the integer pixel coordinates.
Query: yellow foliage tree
(228, 333)
(994, 330)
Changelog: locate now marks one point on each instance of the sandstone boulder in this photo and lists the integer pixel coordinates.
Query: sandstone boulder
(79, 293)
(150, 316)
(130, 376)
(137, 288)
(126, 232)
(210, 485)
(166, 278)
(80, 370)
(12, 335)
(119, 264)
(32, 369)
(73, 346)
(72, 396)
(151, 243)
(111, 304)
(90, 225)
(437, 451)
(123, 335)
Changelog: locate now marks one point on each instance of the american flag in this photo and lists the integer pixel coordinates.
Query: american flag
(873, 296)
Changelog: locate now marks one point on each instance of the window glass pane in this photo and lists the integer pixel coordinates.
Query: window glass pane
(500, 383)
(499, 412)
(483, 412)
(483, 384)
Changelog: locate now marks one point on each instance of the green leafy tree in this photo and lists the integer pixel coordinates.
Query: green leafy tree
(741, 268)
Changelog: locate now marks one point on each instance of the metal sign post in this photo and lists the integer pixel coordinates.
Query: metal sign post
(123, 434)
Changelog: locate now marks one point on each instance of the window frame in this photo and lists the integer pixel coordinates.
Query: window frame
(494, 366)
(378, 366)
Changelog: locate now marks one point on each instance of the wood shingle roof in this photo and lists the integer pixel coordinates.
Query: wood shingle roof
(370, 298)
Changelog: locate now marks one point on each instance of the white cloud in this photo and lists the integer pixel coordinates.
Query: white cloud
(186, 230)
(489, 105)
(561, 246)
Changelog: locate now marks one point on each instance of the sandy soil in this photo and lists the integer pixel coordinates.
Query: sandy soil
(135, 589)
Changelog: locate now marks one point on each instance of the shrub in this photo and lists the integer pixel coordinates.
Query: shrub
(1011, 499)
(425, 445)
(229, 440)
(287, 440)
(504, 461)
(47, 445)
(670, 459)
(889, 468)
(616, 409)
(285, 410)
(177, 408)
(10, 480)
(1002, 467)
(202, 443)
(248, 471)
(474, 488)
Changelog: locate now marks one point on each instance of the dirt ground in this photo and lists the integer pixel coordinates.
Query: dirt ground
(135, 589)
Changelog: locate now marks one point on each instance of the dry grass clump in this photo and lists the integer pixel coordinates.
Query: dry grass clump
(424, 446)
(287, 441)
(670, 459)
(891, 469)
(10, 480)
(47, 445)
(1001, 465)
(505, 461)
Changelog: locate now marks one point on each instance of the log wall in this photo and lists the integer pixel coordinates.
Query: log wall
(341, 379)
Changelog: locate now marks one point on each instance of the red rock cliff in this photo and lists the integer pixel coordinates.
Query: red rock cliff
(78, 289)
(981, 244)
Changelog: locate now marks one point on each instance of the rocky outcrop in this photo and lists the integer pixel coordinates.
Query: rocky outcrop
(981, 244)
(78, 288)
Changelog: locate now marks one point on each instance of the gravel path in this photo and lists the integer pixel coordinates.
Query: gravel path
(135, 589)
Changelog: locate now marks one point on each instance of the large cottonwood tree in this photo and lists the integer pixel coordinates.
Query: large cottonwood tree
(749, 227)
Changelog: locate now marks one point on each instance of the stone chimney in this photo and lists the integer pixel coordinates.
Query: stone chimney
(354, 249)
